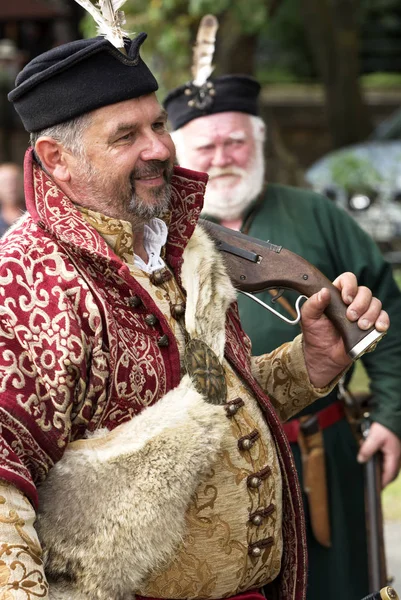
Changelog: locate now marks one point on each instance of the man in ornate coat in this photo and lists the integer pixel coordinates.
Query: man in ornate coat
(224, 137)
(136, 430)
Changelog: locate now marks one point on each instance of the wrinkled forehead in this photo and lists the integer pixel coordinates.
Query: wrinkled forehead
(219, 127)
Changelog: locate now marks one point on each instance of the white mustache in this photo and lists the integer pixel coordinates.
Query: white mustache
(214, 172)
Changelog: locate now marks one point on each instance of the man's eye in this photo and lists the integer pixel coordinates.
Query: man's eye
(125, 138)
(159, 126)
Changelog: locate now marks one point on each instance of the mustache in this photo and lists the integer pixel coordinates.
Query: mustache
(218, 171)
(154, 168)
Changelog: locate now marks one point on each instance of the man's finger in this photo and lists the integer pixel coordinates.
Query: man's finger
(348, 285)
(369, 447)
(361, 304)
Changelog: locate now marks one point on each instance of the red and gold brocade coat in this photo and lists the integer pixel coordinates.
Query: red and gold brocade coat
(77, 354)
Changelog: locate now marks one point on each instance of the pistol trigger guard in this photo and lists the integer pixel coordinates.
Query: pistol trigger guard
(275, 312)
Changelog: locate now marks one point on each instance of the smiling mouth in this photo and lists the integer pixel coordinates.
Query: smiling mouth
(151, 179)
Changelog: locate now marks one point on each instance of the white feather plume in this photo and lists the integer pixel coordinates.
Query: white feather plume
(203, 50)
(109, 19)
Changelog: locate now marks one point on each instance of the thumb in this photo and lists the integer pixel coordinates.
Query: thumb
(315, 306)
(369, 447)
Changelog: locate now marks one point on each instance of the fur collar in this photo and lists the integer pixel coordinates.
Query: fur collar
(209, 291)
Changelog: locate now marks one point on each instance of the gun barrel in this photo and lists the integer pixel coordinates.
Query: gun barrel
(377, 561)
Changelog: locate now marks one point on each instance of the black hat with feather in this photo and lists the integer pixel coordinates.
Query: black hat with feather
(75, 78)
(205, 95)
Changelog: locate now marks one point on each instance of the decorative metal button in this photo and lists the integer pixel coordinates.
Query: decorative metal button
(257, 520)
(134, 301)
(151, 320)
(254, 482)
(231, 409)
(256, 549)
(233, 406)
(160, 276)
(247, 441)
(163, 342)
(206, 372)
(177, 311)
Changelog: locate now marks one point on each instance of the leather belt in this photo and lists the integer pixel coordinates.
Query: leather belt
(324, 418)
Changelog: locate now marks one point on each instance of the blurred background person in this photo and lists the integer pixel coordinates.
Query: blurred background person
(217, 129)
(12, 203)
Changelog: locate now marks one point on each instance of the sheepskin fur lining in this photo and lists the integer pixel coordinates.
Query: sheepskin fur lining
(113, 508)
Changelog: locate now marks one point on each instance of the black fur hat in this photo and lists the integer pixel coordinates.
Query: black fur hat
(78, 77)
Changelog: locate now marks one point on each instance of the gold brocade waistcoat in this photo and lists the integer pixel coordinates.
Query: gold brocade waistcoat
(233, 539)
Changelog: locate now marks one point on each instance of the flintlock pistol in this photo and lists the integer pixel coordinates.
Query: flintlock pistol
(254, 266)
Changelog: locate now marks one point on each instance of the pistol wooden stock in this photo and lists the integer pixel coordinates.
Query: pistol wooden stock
(254, 266)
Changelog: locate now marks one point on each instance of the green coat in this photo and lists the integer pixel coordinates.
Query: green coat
(326, 236)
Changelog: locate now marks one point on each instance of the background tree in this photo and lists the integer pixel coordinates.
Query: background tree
(332, 28)
(308, 40)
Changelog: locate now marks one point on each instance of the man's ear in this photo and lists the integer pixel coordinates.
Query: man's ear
(54, 158)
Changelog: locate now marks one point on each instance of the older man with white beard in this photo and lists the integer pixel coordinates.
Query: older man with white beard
(217, 129)
(229, 148)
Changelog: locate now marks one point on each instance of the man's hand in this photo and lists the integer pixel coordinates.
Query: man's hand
(325, 354)
(381, 438)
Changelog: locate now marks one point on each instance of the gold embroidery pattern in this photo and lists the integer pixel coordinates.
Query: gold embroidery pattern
(21, 566)
(282, 374)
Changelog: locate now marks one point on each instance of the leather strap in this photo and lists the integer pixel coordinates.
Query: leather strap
(325, 418)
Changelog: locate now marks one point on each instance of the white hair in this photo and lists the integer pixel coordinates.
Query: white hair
(69, 134)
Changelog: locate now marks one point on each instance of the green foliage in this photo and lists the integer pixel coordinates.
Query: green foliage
(381, 80)
(284, 47)
(354, 174)
(283, 54)
(171, 26)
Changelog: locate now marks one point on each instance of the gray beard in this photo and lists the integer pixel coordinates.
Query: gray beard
(144, 212)
(230, 205)
(123, 197)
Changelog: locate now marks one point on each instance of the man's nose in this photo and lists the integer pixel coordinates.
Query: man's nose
(155, 148)
(221, 157)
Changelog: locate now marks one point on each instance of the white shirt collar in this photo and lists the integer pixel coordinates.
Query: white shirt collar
(154, 238)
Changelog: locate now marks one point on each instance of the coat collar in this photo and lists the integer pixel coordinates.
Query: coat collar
(52, 210)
